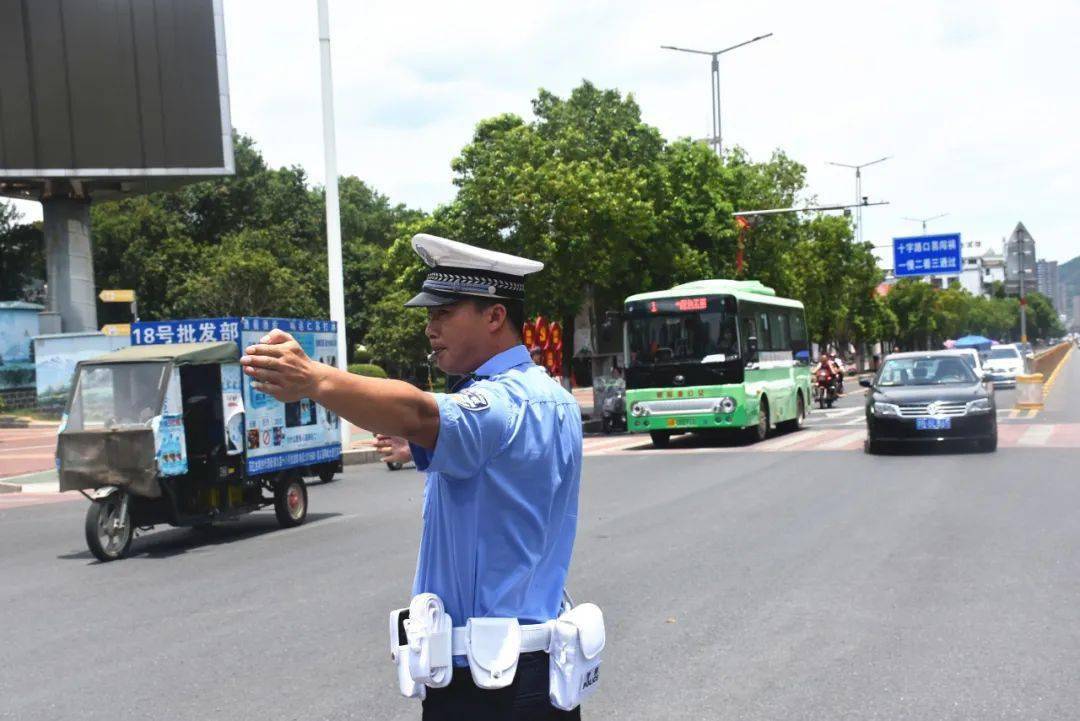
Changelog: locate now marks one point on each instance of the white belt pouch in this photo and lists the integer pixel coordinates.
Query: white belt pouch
(577, 638)
(399, 654)
(493, 646)
(420, 642)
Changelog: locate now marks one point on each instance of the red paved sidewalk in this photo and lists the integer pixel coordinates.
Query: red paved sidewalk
(25, 450)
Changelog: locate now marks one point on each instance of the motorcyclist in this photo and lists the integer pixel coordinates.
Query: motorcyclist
(832, 373)
(838, 364)
(827, 363)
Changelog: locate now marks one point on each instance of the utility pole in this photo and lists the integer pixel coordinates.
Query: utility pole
(1023, 297)
(714, 82)
(859, 200)
(333, 214)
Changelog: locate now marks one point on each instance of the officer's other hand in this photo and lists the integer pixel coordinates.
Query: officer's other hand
(393, 449)
(280, 367)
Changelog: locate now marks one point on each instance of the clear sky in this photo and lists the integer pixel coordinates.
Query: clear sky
(976, 101)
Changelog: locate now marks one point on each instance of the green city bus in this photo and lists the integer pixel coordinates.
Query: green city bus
(715, 354)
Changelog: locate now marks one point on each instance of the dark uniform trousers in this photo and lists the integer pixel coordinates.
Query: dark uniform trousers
(526, 699)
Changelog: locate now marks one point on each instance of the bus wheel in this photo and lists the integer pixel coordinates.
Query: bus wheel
(760, 431)
(660, 439)
(800, 414)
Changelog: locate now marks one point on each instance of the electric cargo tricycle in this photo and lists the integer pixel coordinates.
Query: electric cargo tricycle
(175, 434)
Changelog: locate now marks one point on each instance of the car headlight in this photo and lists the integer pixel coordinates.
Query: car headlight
(981, 405)
(638, 410)
(885, 409)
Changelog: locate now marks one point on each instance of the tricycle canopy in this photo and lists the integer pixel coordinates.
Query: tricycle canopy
(176, 353)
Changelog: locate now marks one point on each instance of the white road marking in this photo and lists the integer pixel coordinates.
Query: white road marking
(778, 443)
(842, 441)
(1037, 434)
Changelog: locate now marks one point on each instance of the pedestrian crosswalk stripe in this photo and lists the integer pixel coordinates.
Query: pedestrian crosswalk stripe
(836, 439)
(1036, 435)
(792, 439)
(844, 440)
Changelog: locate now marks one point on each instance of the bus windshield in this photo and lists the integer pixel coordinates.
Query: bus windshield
(703, 337)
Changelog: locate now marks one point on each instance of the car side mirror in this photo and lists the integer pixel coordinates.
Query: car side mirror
(987, 376)
(866, 383)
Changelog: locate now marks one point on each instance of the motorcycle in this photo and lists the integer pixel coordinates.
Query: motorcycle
(824, 388)
(613, 406)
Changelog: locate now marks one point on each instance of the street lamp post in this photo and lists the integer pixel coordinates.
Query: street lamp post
(333, 215)
(858, 191)
(714, 82)
(924, 221)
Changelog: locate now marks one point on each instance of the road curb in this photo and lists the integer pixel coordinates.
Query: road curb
(359, 457)
(7, 422)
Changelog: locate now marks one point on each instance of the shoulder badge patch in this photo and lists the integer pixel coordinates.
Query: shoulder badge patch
(472, 400)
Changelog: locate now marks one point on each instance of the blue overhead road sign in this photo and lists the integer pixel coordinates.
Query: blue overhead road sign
(927, 255)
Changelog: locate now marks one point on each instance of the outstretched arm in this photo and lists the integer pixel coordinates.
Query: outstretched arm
(279, 367)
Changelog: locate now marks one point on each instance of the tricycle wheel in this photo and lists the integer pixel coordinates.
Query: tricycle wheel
(395, 465)
(326, 475)
(290, 501)
(108, 528)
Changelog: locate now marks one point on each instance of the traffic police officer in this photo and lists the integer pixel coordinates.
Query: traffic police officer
(502, 452)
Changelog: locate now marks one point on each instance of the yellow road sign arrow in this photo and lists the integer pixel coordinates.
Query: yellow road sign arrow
(117, 296)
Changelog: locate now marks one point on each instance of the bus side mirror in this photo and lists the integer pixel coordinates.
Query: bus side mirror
(751, 346)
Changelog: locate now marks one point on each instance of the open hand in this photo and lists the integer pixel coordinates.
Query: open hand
(393, 449)
(279, 367)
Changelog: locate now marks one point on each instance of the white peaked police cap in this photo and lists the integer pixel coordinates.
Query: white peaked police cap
(460, 270)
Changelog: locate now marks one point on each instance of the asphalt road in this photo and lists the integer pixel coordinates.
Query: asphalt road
(737, 582)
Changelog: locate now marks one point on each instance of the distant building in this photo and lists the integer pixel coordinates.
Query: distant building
(980, 272)
(1075, 321)
(1048, 278)
(1019, 260)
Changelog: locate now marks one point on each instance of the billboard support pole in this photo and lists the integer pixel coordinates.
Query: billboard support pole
(69, 262)
(333, 216)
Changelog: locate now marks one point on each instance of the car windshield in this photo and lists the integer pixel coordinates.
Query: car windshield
(1004, 353)
(925, 371)
(683, 338)
(118, 396)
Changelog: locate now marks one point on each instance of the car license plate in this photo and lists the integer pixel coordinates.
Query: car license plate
(933, 424)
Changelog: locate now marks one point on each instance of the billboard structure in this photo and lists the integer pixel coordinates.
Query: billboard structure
(102, 100)
(118, 95)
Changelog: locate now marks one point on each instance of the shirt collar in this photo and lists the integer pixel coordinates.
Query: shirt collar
(501, 362)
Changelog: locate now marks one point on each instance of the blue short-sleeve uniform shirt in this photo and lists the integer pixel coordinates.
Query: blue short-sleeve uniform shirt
(501, 498)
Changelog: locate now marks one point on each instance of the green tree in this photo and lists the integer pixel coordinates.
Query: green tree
(1043, 320)
(22, 257)
(247, 275)
(575, 189)
(916, 307)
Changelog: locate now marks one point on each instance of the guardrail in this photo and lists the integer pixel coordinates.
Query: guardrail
(1047, 361)
(1031, 388)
